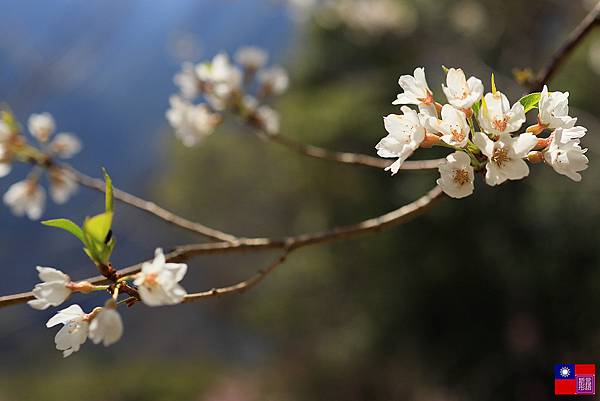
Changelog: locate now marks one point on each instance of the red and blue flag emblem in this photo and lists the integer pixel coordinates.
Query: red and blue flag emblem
(577, 379)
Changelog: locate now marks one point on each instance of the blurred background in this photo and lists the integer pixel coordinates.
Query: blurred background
(476, 300)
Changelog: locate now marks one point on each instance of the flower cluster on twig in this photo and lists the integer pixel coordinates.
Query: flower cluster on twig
(28, 197)
(483, 130)
(240, 89)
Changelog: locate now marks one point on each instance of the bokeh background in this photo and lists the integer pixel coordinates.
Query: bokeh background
(476, 300)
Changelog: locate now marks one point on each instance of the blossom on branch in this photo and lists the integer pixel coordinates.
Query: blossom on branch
(505, 156)
(41, 126)
(405, 134)
(158, 282)
(26, 197)
(497, 117)
(53, 290)
(554, 110)
(416, 90)
(565, 154)
(453, 126)
(75, 331)
(457, 175)
(273, 81)
(251, 58)
(460, 92)
(192, 123)
(106, 326)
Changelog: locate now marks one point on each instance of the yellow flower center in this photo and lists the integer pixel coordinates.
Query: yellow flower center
(461, 176)
(500, 156)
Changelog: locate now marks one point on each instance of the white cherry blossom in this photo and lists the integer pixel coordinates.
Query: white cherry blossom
(505, 156)
(274, 80)
(554, 110)
(187, 81)
(221, 77)
(497, 117)
(74, 332)
(52, 291)
(416, 90)
(251, 57)
(41, 126)
(65, 145)
(565, 155)
(62, 185)
(268, 119)
(192, 123)
(460, 92)
(453, 126)
(405, 134)
(457, 175)
(158, 281)
(577, 132)
(106, 326)
(26, 197)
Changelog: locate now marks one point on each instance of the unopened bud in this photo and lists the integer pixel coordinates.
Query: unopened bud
(535, 157)
(536, 129)
(543, 143)
(430, 140)
(84, 287)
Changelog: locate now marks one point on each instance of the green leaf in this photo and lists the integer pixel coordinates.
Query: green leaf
(493, 84)
(97, 227)
(445, 69)
(109, 191)
(530, 101)
(66, 225)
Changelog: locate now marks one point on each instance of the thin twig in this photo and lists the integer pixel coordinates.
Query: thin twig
(240, 287)
(288, 244)
(591, 20)
(152, 208)
(346, 157)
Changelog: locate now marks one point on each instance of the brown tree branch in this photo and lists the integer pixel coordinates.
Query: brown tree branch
(152, 208)
(591, 20)
(287, 244)
(346, 157)
(240, 287)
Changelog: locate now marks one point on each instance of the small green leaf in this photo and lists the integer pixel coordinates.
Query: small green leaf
(445, 69)
(530, 101)
(97, 227)
(493, 84)
(109, 191)
(66, 225)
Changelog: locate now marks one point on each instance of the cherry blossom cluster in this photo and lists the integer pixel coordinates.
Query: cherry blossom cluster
(157, 284)
(28, 197)
(484, 131)
(240, 89)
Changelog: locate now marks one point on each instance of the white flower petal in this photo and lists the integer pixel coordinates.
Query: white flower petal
(65, 315)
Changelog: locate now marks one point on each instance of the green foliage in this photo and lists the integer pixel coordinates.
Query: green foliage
(530, 101)
(95, 233)
(109, 191)
(66, 225)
